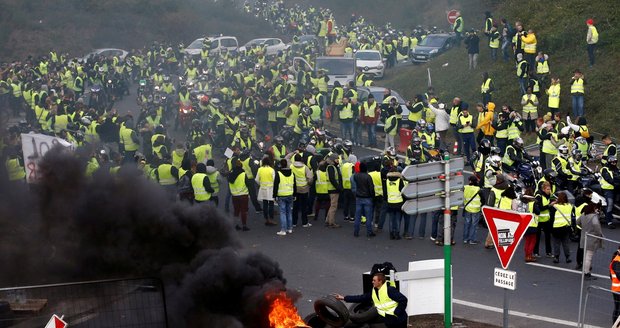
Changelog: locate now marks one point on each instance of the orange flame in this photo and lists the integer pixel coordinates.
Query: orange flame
(283, 313)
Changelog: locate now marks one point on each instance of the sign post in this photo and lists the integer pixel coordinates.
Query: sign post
(436, 186)
(56, 322)
(452, 15)
(507, 228)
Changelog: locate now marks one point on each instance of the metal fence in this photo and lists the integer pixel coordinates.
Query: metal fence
(596, 304)
(122, 303)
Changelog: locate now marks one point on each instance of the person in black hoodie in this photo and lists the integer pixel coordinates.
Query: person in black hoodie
(364, 194)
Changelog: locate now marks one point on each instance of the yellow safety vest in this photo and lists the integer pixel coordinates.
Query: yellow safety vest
(177, 157)
(347, 172)
(472, 199)
(548, 147)
(370, 109)
(454, 115)
(291, 120)
(15, 170)
(554, 96)
(577, 86)
(544, 216)
(604, 184)
(560, 221)
(238, 187)
(486, 86)
(346, 112)
(528, 107)
(213, 181)
(542, 67)
(460, 28)
(466, 120)
(534, 222)
(165, 175)
(203, 153)
(200, 194)
(376, 181)
(285, 188)
(594, 33)
(126, 140)
(384, 304)
(265, 176)
(322, 182)
(300, 175)
(393, 192)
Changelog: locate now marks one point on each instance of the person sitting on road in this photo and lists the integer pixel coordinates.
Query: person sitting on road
(390, 303)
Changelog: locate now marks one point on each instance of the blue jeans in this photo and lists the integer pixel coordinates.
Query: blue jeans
(437, 215)
(395, 216)
(469, 144)
(363, 207)
(372, 134)
(410, 225)
(578, 105)
(346, 128)
(286, 212)
(357, 132)
(523, 85)
(471, 226)
(609, 211)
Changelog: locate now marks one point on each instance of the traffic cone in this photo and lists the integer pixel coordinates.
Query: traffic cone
(456, 147)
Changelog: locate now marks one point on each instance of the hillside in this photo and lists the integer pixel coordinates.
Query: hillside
(76, 26)
(561, 31)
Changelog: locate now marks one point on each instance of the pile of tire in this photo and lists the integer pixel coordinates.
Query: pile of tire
(332, 313)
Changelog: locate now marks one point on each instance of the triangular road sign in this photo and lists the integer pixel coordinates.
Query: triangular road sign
(56, 322)
(507, 229)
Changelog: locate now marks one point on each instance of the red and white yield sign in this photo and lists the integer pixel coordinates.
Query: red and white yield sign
(452, 16)
(507, 229)
(56, 322)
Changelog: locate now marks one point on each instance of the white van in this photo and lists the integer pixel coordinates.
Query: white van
(217, 44)
(341, 69)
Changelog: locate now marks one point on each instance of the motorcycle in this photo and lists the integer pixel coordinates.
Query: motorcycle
(98, 99)
(184, 116)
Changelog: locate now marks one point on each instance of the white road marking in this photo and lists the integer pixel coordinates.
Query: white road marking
(520, 314)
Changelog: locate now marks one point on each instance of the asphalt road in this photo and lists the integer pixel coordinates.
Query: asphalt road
(318, 261)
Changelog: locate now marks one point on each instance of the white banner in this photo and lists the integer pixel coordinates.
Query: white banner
(34, 147)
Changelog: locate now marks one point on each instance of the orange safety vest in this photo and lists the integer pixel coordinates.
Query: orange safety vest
(615, 283)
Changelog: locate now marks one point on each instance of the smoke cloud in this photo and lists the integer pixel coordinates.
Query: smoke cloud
(72, 228)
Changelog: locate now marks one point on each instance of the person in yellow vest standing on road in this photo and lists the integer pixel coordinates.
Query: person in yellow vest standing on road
(201, 184)
(591, 40)
(471, 211)
(265, 178)
(283, 190)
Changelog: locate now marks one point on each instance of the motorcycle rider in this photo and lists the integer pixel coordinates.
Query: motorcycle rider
(609, 179)
(549, 175)
(480, 158)
(610, 149)
(515, 155)
(415, 153)
(577, 169)
(560, 165)
(278, 149)
(303, 124)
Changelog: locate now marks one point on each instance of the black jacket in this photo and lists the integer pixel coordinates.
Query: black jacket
(401, 309)
(364, 187)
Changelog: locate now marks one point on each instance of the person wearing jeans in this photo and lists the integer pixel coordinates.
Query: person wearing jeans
(609, 177)
(410, 225)
(303, 181)
(471, 213)
(392, 188)
(283, 189)
(466, 130)
(577, 91)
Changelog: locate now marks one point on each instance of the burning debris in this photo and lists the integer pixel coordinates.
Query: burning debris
(70, 228)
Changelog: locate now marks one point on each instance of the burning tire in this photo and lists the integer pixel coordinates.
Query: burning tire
(331, 311)
(362, 313)
(314, 321)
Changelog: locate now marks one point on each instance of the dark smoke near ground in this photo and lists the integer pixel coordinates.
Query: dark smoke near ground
(73, 229)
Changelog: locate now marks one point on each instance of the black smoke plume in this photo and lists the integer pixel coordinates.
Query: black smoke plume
(72, 228)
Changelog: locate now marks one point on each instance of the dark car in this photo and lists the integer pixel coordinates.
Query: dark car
(431, 46)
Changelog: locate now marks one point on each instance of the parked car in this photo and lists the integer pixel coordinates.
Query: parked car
(106, 52)
(217, 44)
(431, 46)
(370, 62)
(363, 92)
(272, 45)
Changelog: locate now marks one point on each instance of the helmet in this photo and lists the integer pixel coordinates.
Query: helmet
(421, 125)
(581, 140)
(495, 161)
(204, 100)
(495, 151)
(86, 120)
(416, 141)
(518, 142)
(215, 101)
(305, 111)
(550, 175)
(612, 160)
(563, 151)
(166, 78)
(278, 139)
(348, 144)
(430, 127)
(485, 146)
(390, 151)
(577, 154)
